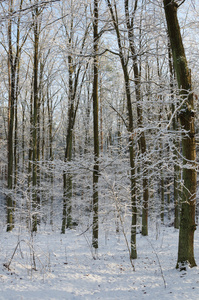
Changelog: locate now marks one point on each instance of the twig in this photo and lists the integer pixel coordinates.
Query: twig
(165, 285)
(7, 265)
(85, 230)
(122, 224)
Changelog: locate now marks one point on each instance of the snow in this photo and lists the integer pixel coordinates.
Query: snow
(66, 268)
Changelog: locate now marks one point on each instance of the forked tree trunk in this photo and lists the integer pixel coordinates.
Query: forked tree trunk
(187, 220)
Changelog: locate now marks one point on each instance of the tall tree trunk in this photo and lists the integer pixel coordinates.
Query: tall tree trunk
(142, 141)
(130, 130)
(162, 206)
(174, 127)
(95, 127)
(187, 220)
(16, 143)
(17, 68)
(73, 80)
(11, 71)
(67, 178)
(101, 117)
(10, 126)
(23, 138)
(35, 122)
(50, 138)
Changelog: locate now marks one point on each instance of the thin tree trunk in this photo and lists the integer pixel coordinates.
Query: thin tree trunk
(35, 124)
(43, 130)
(73, 81)
(23, 138)
(17, 68)
(95, 128)
(50, 124)
(101, 117)
(130, 130)
(67, 178)
(15, 144)
(10, 123)
(142, 141)
(162, 196)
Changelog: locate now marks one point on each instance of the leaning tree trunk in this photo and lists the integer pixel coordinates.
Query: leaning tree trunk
(186, 114)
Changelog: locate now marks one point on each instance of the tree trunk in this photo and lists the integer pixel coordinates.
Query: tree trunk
(74, 69)
(50, 146)
(17, 68)
(35, 124)
(95, 127)
(11, 71)
(187, 220)
(130, 130)
(175, 128)
(67, 178)
(142, 141)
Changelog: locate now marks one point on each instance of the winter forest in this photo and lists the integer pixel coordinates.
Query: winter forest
(99, 130)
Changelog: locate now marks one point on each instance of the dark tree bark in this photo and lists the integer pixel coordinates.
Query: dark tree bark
(67, 178)
(11, 70)
(13, 74)
(186, 114)
(50, 146)
(174, 127)
(95, 127)
(35, 121)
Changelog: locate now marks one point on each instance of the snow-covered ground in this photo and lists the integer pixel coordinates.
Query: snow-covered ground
(64, 267)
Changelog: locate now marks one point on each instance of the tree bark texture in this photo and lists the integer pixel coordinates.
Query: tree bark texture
(174, 127)
(186, 115)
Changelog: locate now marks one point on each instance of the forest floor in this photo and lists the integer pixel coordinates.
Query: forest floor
(55, 266)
